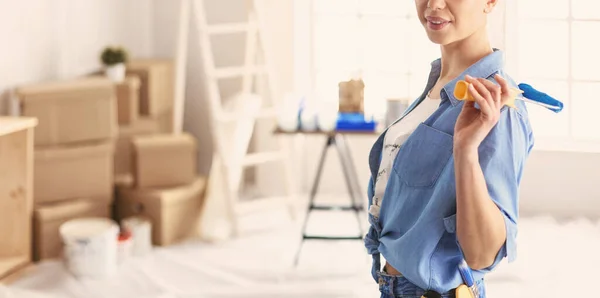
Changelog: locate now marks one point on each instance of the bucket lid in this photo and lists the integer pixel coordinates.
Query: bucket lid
(87, 227)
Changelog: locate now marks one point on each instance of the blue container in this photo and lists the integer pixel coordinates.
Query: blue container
(355, 122)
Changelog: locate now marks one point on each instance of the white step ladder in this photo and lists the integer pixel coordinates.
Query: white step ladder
(243, 118)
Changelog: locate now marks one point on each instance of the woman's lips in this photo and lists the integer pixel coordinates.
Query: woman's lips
(436, 23)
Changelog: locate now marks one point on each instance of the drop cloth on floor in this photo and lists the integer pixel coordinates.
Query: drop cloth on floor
(553, 257)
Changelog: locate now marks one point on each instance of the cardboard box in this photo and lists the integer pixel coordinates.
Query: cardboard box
(47, 243)
(71, 172)
(174, 212)
(71, 111)
(123, 152)
(157, 84)
(128, 100)
(352, 96)
(164, 160)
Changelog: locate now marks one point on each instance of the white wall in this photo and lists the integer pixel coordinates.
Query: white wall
(44, 40)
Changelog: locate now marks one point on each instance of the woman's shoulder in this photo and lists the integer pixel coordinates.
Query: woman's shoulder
(521, 108)
(514, 122)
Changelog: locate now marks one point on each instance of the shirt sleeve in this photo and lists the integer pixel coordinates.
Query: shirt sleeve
(502, 158)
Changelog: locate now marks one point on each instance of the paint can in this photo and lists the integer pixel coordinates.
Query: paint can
(124, 246)
(90, 247)
(141, 231)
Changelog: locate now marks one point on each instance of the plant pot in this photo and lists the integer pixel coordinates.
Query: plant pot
(116, 72)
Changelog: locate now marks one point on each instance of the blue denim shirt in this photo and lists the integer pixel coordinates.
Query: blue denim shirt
(416, 228)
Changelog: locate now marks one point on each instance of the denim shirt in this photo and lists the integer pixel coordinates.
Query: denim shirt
(416, 228)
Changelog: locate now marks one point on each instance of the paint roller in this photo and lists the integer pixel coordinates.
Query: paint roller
(525, 93)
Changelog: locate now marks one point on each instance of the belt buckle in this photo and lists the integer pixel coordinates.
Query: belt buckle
(475, 291)
(466, 292)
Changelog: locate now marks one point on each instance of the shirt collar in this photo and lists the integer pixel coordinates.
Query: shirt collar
(484, 68)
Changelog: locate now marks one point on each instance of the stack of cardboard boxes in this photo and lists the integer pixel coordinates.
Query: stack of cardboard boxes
(93, 134)
(73, 162)
(156, 170)
(166, 187)
(145, 107)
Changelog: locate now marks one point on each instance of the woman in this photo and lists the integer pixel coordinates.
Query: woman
(445, 177)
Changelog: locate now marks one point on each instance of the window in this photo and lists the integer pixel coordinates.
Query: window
(553, 46)
(548, 44)
(380, 41)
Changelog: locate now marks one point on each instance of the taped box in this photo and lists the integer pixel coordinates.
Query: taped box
(128, 100)
(47, 219)
(164, 160)
(123, 152)
(71, 172)
(157, 84)
(174, 212)
(71, 111)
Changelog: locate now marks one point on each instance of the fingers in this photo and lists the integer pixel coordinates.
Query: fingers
(476, 89)
(484, 105)
(483, 91)
(504, 87)
(495, 92)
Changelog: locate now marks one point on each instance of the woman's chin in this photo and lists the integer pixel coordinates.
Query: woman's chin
(439, 39)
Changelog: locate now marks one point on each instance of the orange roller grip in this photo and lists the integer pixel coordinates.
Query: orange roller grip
(461, 92)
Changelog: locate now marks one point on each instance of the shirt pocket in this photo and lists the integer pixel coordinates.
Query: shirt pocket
(423, 157)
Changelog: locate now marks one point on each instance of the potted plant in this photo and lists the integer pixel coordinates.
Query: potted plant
(114, 59)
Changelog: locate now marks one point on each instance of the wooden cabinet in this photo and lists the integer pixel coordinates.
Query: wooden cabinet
(16, 192)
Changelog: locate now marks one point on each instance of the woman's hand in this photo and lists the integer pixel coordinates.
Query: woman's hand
(473, 125)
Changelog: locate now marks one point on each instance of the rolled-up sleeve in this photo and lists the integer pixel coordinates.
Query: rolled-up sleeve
(502, 158)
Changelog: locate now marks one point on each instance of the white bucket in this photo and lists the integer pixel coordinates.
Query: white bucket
(90, 246)
(124, 248)
(141, 230)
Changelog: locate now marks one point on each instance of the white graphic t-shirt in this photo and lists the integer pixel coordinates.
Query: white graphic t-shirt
(394, 137)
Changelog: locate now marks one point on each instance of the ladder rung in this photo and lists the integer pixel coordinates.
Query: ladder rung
(253, 159)
(336, 208)
(308, 237)
(229, 72)
(260, 204)
(230, 28)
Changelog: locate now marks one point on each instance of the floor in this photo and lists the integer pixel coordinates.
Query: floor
(554, 258)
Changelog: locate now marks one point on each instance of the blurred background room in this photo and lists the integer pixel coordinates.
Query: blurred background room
(219, 148)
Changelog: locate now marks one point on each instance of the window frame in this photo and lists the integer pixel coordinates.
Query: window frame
(511, 29)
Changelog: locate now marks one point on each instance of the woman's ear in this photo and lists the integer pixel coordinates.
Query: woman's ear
(489, 5)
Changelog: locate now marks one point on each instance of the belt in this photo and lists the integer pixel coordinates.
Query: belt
(461, 292)
(434, 294)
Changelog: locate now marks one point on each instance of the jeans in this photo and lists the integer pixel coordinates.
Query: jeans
(392, 286)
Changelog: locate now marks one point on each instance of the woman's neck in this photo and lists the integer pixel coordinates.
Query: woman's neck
(459, 55)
